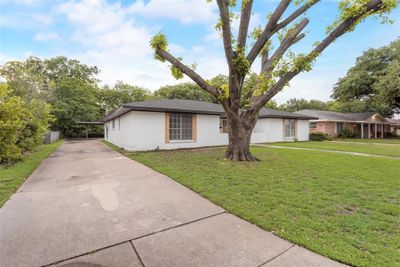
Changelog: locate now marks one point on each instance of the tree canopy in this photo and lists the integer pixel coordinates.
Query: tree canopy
(121, 93)
(294, 104)
(184, 91)
(373, 84)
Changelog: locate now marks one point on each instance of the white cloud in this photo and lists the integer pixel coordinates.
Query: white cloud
(46, 36)
(185, 11)
(42, 19)
(21, 2)
(24, 21)
(106, 29)
(115, 43)
(198, 48)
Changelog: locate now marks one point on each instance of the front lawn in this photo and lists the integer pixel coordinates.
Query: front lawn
(13, 176)
(378, 149)
(341, 206)
(371, 140)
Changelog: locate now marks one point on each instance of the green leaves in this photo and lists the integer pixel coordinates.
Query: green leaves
(354, 8)
(241, 63)
(373, 81)
(224, 92)
(22, 124)
(304, 62)
(176, 73)
(184, 91)
(159, 42)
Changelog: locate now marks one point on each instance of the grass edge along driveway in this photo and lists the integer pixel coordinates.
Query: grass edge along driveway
(13, 176)
(340, 206)
(366, 148)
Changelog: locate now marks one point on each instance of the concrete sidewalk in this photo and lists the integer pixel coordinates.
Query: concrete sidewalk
(87, 205)
(329, 151)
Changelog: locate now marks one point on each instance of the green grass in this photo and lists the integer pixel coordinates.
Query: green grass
(377, 149)
(341, 206)
(372, 140)
(11, 177)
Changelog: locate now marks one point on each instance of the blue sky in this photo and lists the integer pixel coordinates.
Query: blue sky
(114, 36)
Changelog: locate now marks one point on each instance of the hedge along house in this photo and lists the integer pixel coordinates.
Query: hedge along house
(176, 123)
(362, 125)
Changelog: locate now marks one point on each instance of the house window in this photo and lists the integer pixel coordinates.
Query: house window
(313, 125)
(223, 125)
(119, 123)
(339, 127)
(289, 128)
(113, 124)
(180, 126)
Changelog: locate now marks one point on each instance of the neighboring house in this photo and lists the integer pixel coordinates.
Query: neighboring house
(363, 125)
(175, 123)
(395, 126)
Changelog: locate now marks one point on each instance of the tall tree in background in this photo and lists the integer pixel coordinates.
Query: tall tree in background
(121, 93)
(37, 78)
(294, 104)
(75, 101)
(184, 91)
(373, 84)
(277, 68)
(69, 86)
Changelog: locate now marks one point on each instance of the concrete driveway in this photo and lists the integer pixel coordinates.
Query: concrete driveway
(87, 205)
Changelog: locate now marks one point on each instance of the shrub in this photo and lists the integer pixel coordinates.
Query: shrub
(390, 135)
(319, 136)
(22, 125)
(346, 133)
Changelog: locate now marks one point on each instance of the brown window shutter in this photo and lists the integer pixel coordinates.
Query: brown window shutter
(194, 127)
(166, 127)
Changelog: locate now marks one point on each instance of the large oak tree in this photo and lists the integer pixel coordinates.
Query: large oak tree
(277, 67)
(373, 84)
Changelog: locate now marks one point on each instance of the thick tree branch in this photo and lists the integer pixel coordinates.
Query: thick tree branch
(273, 26)
(226, 30)
(244, 23)
(291, 38)
(267, 32)
(346, 25)
(189, 72)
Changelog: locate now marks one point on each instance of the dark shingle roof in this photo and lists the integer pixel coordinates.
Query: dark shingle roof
(336, 116)
(273, 113)
(177, 105)
(193, 106)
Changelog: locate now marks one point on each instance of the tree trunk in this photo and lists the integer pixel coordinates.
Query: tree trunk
(239, 133)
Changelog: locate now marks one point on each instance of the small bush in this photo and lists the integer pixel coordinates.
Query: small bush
(22, 125)
(346, 133)
(390, 135)
(318, 136)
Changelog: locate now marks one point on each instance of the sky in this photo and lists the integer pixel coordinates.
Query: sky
(114, 36)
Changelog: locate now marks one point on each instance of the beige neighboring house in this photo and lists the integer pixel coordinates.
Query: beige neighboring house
(363, 125)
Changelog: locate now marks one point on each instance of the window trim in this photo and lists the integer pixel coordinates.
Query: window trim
(313, 123)
(294, 129)
(337, 128)
(168, 129)
(221, 125)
